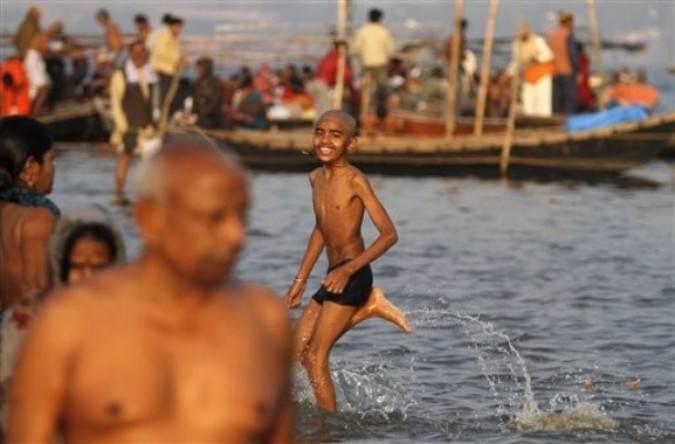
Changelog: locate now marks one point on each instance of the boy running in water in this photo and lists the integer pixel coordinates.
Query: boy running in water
(341, 194)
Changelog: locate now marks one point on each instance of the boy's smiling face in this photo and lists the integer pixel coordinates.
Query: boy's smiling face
(333, 137)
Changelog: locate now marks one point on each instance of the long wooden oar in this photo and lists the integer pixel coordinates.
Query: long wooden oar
(453, 71)
(166, 106)
(511, 124)
(485, 68)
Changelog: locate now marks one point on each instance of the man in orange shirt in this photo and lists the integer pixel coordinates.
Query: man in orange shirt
(565, 65)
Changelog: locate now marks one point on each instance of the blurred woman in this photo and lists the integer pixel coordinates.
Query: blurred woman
(27, 216)
(83, 242)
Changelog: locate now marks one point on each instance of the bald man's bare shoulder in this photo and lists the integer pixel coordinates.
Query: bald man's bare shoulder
(270, 308)
(106, 287)
(264, 298)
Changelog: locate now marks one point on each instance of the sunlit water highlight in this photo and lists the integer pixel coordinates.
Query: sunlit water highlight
(517, 295)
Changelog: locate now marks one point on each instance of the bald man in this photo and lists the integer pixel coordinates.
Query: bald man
(167, 348)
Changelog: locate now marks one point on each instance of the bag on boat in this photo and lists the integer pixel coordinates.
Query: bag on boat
(614, 116)
(535, 71)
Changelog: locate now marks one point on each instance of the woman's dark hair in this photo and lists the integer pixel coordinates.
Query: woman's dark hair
(91, 230)
(20, 138)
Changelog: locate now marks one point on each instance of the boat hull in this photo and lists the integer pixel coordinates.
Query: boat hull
(608, 150)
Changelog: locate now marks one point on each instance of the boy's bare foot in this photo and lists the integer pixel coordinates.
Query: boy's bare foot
(378, 305)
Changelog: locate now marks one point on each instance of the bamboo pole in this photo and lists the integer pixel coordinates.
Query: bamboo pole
(366, 83)
(341, 36)
(168, 99)
(595, 36)
(511, 123)
(485, 67)
(453, 68)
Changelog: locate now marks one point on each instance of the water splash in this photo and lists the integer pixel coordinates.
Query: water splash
(586, 416)
(367, 391)
(528, 416)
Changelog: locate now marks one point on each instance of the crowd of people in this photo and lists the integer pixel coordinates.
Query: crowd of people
(553, 70)
(554, 73)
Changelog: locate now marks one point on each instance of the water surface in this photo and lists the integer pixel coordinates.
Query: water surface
(519, 297)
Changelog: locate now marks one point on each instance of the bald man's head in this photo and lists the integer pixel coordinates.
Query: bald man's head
(181, 161)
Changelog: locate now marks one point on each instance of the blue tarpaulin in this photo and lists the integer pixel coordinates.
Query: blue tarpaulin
(591, 121)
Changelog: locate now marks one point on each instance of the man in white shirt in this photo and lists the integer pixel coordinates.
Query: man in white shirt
(374, 45)
(134, 101)
(532, 54)
(36, 72)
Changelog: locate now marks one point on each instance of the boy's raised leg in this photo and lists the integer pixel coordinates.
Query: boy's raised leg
(379, 306)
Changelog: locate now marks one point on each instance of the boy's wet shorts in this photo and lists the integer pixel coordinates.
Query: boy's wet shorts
(356, 291)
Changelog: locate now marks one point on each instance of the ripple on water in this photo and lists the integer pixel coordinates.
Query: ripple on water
(577, 276)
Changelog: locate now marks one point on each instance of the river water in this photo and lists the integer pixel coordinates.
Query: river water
(543, 311)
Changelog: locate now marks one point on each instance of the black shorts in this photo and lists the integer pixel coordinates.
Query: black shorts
(356, 291)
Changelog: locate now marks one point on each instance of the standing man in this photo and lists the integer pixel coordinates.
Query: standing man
(341, 195)
(167, 57)
(466, 83)
(532, 54)
(143, 29)
(169, 348)
(134, 102)
(565, 65)
(374, 45)
(37, 75)
(113, 37)
(207, 95)
(28, 29)
(326, 72)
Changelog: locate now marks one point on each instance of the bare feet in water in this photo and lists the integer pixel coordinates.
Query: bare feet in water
(379, 306)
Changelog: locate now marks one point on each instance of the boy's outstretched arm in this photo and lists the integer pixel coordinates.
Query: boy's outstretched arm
(314, 249)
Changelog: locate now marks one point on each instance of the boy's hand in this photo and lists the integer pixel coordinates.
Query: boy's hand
(294, 293)
(336, 280)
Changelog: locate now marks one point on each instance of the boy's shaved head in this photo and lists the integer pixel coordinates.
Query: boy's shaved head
(345, 117)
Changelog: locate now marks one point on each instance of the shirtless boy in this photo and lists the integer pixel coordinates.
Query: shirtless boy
(167, 348)
(341, 194)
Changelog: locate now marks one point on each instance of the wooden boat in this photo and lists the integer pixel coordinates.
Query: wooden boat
(433, 125)
(76, 122)
(544, 150)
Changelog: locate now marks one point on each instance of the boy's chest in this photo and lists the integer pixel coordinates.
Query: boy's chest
(332, 197)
